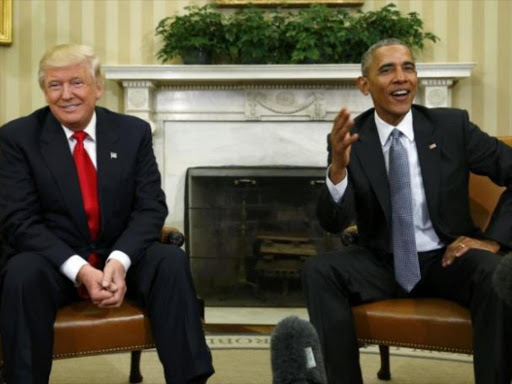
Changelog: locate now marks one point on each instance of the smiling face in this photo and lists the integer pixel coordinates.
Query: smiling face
(71, 93)
(391, 81)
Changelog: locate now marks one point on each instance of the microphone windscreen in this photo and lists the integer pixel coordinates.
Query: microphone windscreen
(502, 279)
(296, 355)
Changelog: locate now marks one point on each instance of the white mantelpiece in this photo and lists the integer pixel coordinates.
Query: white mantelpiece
(255, 73)
(251, 115)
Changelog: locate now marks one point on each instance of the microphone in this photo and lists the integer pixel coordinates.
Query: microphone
(502, 279)
(296, 354)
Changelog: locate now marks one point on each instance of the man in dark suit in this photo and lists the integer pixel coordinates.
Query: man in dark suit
(81, 206)
(401, 171)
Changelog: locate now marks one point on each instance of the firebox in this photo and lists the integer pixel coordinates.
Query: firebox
(250, 229)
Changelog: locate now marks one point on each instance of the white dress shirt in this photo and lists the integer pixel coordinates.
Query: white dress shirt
(72, 265)
(426, 237)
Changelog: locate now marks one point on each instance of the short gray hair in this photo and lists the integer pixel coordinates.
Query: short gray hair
(368, 55)
(63, 55)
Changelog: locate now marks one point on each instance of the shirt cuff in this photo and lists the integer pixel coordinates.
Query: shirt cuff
(337, 191)
(122, 258)
(71, 267)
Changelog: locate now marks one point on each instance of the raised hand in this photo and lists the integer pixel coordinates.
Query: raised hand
(341, 143)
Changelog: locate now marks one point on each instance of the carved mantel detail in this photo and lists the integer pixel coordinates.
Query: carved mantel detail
(282, 104)
(267, 92)
(138, 100)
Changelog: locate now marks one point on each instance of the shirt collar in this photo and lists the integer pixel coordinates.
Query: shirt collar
(384, 129)
(90, 129)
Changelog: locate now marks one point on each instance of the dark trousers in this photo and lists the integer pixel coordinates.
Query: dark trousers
(334, 282)
(33, 290)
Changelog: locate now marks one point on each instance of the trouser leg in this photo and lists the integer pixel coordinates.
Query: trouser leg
(469, 282)
(332, 283)
(32, 291)
(162, 283)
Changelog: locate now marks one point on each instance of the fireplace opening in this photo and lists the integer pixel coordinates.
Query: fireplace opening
(250, 229)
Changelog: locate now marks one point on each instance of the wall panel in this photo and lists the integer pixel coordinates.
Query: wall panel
(3, 86)
(477, 80)
(503, 70)
(25, 54)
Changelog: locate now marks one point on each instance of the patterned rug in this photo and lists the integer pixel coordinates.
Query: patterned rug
(245, 359)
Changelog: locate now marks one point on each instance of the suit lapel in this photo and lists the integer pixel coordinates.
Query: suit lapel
(108, 163)
(369, 151)
(56, 152)
(428, 145)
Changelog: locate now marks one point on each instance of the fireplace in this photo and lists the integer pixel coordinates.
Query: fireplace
(243, 129)
(249, 230)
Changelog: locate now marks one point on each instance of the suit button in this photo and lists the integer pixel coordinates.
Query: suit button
(93, 247)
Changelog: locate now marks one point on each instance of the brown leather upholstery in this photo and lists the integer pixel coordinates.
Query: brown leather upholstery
(432, 324)
(484, 195)
(82, 329)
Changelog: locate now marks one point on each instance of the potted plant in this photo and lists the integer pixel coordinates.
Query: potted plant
(317, 34)
(197, 36)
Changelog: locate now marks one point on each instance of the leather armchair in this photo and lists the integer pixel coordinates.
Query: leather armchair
(83, 329)
(423, 323)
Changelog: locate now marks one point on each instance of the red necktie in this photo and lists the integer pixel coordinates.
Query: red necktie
(89, 187)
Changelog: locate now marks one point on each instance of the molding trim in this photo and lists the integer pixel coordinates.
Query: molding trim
(278, 73)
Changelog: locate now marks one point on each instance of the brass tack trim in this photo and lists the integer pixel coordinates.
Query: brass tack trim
(102, 351)
(414, 345)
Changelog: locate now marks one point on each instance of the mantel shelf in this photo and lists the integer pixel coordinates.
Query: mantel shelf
(166, 74)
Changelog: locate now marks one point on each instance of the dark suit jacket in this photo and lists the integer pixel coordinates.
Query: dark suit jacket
(460, 147)
(41, 206)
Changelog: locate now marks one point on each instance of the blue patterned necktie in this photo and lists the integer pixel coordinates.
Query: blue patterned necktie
(407, 270)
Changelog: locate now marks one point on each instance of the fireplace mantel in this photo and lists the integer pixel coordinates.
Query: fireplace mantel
(251, 115)
(176, 74)
(142, 83)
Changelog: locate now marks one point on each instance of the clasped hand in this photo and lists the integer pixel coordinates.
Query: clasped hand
(106, 288)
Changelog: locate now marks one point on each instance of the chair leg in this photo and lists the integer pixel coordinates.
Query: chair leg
(135, 375)
(384, 372)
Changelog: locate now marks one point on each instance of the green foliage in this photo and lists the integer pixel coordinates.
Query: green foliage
(201, 29)
(317, 34)
(253, 37)
(387, 22)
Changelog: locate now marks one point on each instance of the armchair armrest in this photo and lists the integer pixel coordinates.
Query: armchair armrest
(349, 236)
(171, 235)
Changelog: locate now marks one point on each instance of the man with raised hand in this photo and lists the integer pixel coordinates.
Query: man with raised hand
(401, 171)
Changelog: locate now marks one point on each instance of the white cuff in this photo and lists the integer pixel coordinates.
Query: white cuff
(71, 267)
(337, 191)
(122, 258)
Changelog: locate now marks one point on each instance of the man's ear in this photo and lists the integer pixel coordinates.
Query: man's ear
(362, 84)
(99, 89)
